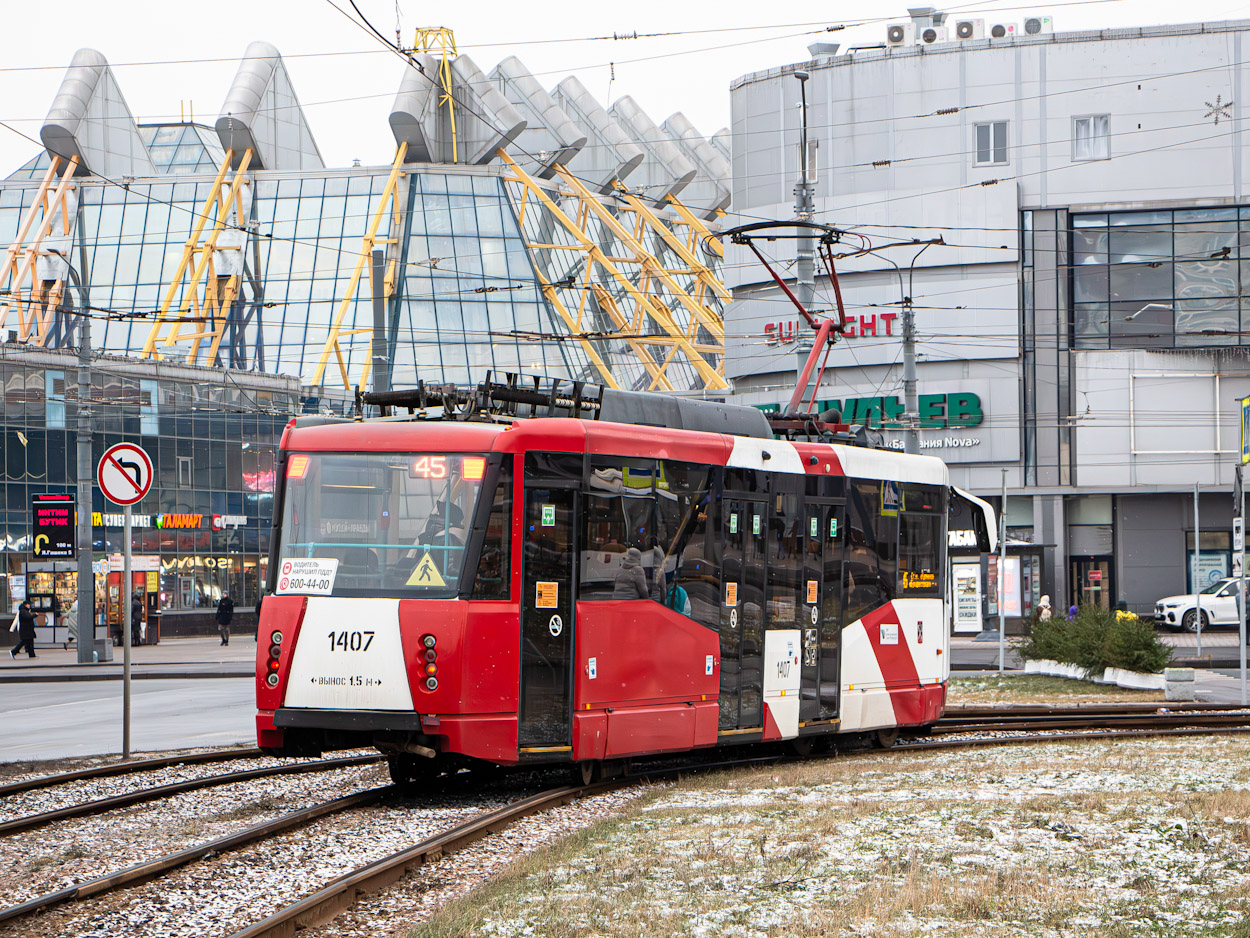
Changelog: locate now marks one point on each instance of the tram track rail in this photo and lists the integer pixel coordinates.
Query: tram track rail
(343, 892)
(103, 805)
(1039, 719)
(116, 769)
(150, 869)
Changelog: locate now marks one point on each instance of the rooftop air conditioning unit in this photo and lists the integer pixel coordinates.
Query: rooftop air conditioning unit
(1036, 25)
(900, 34)
(970, 29)
(932, 34)
(1003, 30)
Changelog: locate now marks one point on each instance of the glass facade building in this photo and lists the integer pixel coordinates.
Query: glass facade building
(206, 521)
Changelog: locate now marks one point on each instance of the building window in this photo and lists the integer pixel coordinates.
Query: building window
(54, 398)
(149, 394)
(1090, 137)
(184, 472)
(1161, 279)
(991, 143)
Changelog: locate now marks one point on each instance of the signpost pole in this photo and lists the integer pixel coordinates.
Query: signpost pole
(1002, 577)
(1239, 561)
(126, 623)
(1197, 567)
(1239, 511)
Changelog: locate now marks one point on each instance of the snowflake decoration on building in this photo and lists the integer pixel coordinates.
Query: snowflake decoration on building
(1219, 110)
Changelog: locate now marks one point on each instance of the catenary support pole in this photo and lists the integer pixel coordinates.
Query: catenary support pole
(126, 626)
(84, 474)
(1239, 510)
(1002, 577)
(911, 403)
(805, 256)
(1197, 565)
(380, 366)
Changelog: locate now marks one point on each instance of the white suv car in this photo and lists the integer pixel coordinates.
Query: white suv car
(1219, 607)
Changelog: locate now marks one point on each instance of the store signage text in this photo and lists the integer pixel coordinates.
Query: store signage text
(937, 411)
(788, 330)
(178, 564)
(108, 519)
(179, 521)
(52, 525)
(168, 521)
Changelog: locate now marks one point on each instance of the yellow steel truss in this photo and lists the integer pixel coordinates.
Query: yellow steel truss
(35, 305)
(442, 41)
(197, 266)
(363, 262)
(644, 288)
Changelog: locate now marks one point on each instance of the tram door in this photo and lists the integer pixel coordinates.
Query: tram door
(745, 536)
(822, 612)
(547, 604)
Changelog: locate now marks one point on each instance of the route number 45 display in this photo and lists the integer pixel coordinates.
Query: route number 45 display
(350, 641)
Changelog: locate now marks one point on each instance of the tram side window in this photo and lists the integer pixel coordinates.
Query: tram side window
(494, 568)
(921, 541)
(620, 555)
(870, 562)
(691, 583)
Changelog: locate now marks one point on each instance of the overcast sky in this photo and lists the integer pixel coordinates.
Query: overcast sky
(170, 57)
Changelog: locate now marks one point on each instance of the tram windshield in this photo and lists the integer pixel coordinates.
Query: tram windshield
(376, 524)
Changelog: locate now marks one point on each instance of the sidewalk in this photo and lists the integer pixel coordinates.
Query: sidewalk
(1219, 650)
(198, 657)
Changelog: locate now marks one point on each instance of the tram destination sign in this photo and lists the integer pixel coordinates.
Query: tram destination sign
(52, 526)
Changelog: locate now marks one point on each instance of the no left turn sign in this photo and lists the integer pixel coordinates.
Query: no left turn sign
(124, 473)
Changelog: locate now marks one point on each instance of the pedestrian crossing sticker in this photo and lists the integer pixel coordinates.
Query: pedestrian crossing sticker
(426, 573)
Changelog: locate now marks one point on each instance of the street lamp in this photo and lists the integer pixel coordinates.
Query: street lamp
(85, 473)
(1131, 316)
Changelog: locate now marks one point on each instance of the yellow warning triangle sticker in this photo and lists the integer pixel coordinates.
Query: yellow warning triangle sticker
(426, 573)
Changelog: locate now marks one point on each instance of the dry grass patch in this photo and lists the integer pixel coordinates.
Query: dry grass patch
(1023, 689)
(1111, 838)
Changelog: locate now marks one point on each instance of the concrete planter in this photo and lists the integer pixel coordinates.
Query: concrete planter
(1130, 680)
(1137, 680)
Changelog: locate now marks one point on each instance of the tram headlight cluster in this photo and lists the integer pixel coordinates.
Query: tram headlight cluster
(275, 651)
(431, 662)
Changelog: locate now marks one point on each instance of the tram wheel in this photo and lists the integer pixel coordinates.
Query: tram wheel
(584, 773)
(887, 738)
(802, 745)
(410, 772)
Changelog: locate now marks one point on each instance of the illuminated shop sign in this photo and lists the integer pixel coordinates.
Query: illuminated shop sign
(937, 411)
(109, 519)
(169, 521)
(789, 330)
(188, 564)
(52, 525)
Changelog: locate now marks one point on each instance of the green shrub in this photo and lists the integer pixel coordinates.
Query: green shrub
(1094, 640)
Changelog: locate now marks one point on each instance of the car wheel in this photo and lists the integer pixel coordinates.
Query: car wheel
(1189, 623)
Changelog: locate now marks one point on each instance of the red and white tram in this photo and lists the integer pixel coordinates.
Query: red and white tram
(596, 587)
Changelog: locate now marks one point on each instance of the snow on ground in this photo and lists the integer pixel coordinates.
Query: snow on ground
(1143, 837)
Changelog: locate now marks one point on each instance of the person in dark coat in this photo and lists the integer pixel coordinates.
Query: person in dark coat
(25, 630)
(225, 612)
(136, 618)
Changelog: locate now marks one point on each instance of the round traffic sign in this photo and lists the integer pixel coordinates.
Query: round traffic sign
(124, 473)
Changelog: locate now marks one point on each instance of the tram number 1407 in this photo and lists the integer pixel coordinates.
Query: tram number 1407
(350, 641)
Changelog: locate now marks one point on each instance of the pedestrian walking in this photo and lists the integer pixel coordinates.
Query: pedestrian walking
(225, 612)
(25, 630)
(71, 623)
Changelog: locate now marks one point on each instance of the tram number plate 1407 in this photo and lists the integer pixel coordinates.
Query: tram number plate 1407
(307, 576)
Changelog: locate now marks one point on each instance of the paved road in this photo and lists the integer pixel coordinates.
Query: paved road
(56, 720)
